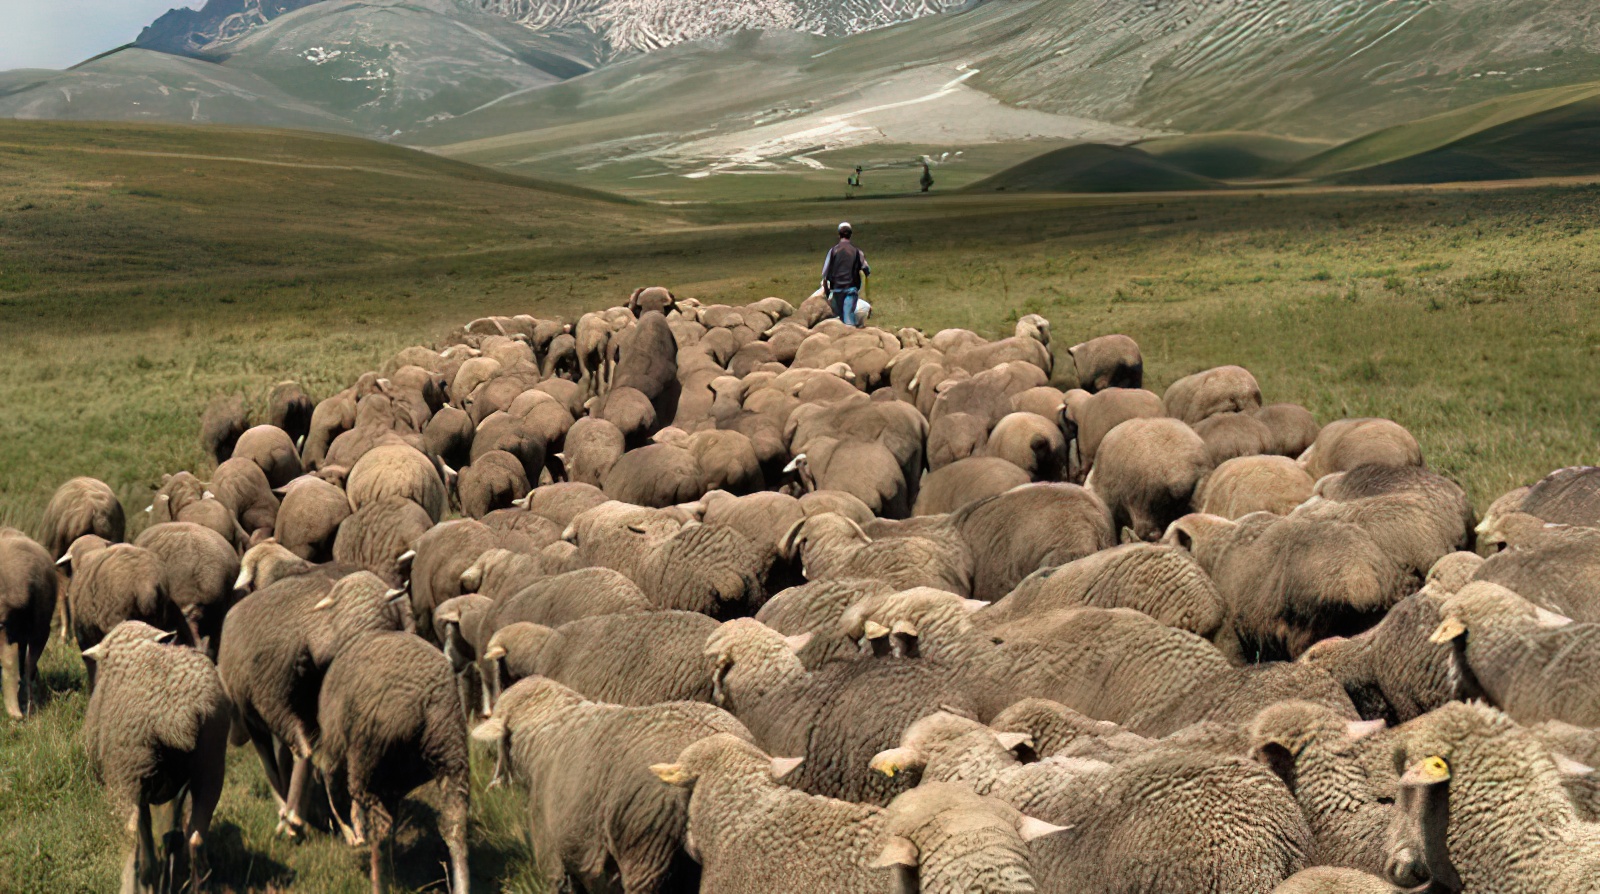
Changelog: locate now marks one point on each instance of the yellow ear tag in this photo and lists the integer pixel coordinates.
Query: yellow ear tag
(1434, 769)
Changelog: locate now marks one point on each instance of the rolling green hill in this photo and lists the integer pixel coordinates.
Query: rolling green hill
(1232, 155)
(1094, 168)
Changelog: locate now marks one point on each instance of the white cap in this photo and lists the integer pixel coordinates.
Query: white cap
(846, 228)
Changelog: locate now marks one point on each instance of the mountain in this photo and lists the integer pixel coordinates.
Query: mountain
(189, 32)
(645, 25)
(144, 85)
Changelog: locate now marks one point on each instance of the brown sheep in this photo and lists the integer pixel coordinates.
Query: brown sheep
(967, 481)
(1031, 442)
(1246, 484)
(81, 506)
(1088, 418)
(27, 602)
(448, 436)
(1230, 435)
(1146, 470)
(276, 645)
(290, 408)
(655, 475)
(156, 732)
(496, 481)
(199, 569)
(1109, 361)
(309, 517)
(269, 447)
(1222, 389)
(242, 487)
(956, 436)
(553, 601)
(221, 424)
(443, 554)
(1014, 534)
(390, 722)
(119, 583)
(381, 537)
(1293, 428)
(1346, 443)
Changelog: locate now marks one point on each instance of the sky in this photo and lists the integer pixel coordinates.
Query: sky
(59, 33)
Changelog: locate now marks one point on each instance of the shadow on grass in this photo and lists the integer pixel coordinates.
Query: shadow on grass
(236, 866)
(415, 857)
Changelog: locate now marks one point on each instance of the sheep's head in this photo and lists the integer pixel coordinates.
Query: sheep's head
(893, 623)
(937, 824)
(800, 467)
(1481, 603)
(751, 648)
(357, 603)
(266, 562)
(1035, 327)
(1282, 732)
(944, 732)
(1490, 530)
(723, 753)
(828, 528)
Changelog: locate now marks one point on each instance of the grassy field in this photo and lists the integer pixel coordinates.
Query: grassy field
(144, 269)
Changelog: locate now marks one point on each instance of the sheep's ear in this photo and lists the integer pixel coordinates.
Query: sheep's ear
(1128, 535)
(786, 544)
(859, 530)
(1449, 629)
(874, 630)
(1549, 618)
(94, 652)
(1013, 741)
(783, 766)
(1569, 767)
(65, 562)
(904, 628)
(403, 562)
(794, 464)
(672, 774)
(491, 730)
(894, 760)
(798, 641)
(1360, 729)
(637, 529)
(1031, 828)
(326, 603)
(394, 595)
(898, 851)
(973, 605)
(167, 638)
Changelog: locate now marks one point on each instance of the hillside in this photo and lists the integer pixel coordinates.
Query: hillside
(1094, 168)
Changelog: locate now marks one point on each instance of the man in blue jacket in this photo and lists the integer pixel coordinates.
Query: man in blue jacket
(842, 274)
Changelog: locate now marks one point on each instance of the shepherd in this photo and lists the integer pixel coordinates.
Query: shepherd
(843, 274)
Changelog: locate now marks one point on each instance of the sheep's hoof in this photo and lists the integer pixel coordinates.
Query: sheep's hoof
(291, 827)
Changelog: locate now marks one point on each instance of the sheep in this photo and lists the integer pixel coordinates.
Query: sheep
(199, 569)
(954, 437)
(389, 722)
(290, 408)
(711, 569)
(1164, 582)
(381, 537)
(864, 469)
(836, 716)
(443, 554)
(1293, 428)
(79, 507)
(496, 481)
(1146, 471)
(276, 645)
(1247, 484)
(1347, 443)
(1393, 671)
(1109, 361)
(763, 517)
(596, 813)
(1564, 497)
(1014, 534)
(1161, 821)
(815, 608)
(119, 583)
(460, 623)
(832, 547)
(1223, 389)
(1558, 570)
(1481, 808)
(1088, 418)
(1111, 664)
(1055, 730)
(1531, 663)
(585, 593)
(221, 423)
(1034, 443)
(752, 834)
(156, 732)
(1233, 435)
(1313, 749)
(1417, 516)
(965, 481)
(27, 603)
(1289, 582)
(637, 658)
(271, 448)
(309, 516)
(241, 486)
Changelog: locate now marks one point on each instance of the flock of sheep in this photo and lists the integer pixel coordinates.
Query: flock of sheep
(747, 601)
